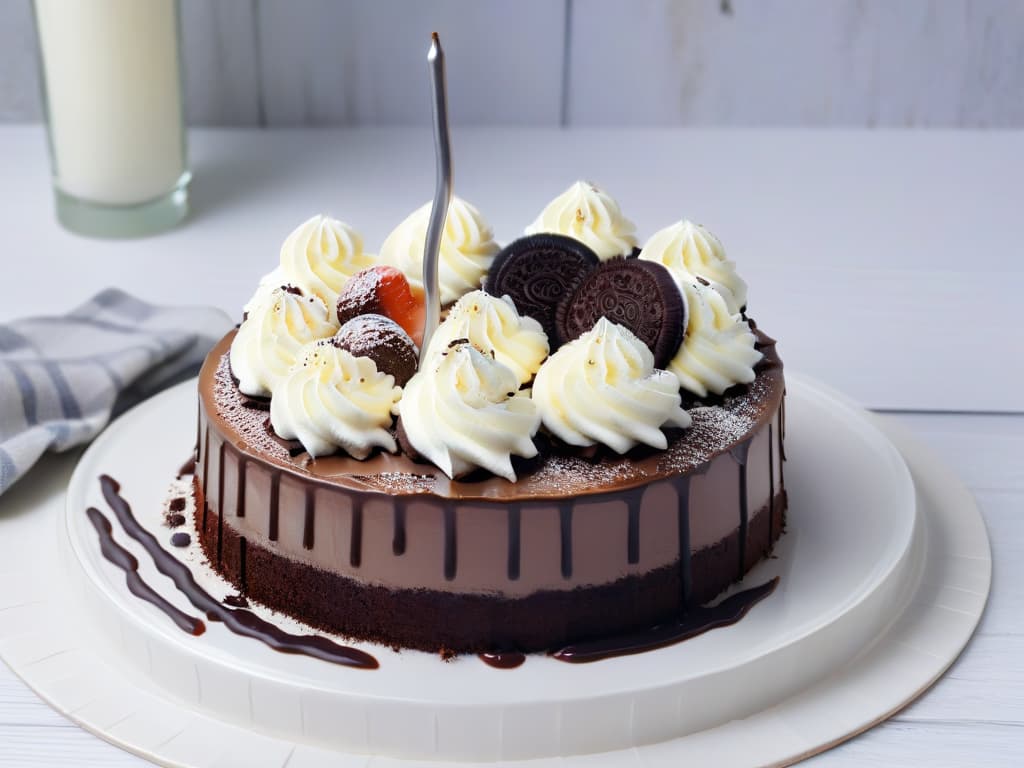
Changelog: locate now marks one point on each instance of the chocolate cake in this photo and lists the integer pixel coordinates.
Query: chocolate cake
(523, 490)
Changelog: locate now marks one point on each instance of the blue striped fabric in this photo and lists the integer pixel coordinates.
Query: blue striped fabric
(63, 378)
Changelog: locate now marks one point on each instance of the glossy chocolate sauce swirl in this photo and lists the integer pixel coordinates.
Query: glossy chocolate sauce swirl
(238, 620)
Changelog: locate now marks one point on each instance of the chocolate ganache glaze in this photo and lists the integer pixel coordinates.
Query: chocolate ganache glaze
(586, 544)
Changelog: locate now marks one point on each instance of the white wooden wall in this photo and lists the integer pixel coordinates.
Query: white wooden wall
(585, 62)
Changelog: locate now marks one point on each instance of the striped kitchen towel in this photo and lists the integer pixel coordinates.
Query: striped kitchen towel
(63, 378)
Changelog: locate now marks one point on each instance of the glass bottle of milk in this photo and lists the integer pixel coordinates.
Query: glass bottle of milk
(112, 91)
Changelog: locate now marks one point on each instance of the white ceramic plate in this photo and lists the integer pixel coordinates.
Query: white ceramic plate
(848, 568)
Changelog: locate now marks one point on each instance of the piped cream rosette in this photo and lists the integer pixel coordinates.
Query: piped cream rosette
(718, 349)
(276, 327)
(590, 215)
(603, 388)
(467, 249)
(493, 324)
(463, 410)
(319, 256)
(332, 399)
(690, 251)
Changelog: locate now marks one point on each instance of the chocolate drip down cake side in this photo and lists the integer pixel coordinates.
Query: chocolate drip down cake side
(592, 444)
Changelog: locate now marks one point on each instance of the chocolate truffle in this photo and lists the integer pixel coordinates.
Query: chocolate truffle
(382, 340)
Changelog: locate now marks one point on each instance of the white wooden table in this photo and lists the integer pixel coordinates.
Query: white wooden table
(889, 265)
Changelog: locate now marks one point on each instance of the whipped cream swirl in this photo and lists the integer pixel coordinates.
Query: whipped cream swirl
(493, 325)
(276, 327)
(267, 285)
(332, 399)
(689, 250)
(718, 349)
(462, 410)
(591, 216)
(467, 249)
(603, 388)
(319, 256)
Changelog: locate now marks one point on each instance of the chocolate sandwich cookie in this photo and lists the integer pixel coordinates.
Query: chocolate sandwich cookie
(537, 272)
(640, 295)
(382, 340)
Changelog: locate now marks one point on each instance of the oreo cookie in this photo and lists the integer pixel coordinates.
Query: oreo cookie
(539, 271)
(640, 295)
(382, 340)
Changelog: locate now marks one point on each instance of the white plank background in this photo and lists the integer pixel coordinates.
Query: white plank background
(857, 63)
(222, 63)
(798, 62)
(19, 75)
(354, 62)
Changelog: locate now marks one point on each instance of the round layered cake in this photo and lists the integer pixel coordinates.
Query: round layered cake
(605, 461)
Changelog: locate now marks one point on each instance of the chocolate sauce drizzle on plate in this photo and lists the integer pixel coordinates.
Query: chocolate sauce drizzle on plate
(503, 659)
(126, 561)
(238, 620)
(695, 622)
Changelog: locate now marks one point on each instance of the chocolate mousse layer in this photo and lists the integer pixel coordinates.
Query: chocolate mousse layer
(443, 621)
(392, 550)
